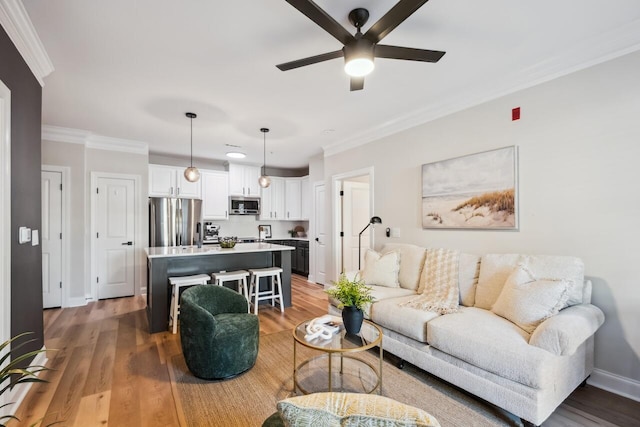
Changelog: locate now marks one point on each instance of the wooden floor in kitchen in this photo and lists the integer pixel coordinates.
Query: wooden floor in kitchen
(108, 371)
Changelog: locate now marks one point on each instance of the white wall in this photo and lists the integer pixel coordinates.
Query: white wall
(579, 142)
(82, 161)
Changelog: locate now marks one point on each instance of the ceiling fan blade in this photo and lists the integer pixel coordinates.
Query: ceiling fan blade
(322, 19)
(357, 83)
(310, 60)
(408, 53)
(398, 13)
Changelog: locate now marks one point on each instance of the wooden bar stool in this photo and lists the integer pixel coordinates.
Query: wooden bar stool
(176, 284)
(269, 294)
(239, 276)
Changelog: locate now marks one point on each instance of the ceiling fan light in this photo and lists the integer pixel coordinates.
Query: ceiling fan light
(264, 181)
(359, 67)
(236, 155)
(192, 174)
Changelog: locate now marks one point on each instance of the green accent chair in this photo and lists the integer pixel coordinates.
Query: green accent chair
(219, 337)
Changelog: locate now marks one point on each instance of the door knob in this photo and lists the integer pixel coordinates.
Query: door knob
(127, 244)
(317, 239)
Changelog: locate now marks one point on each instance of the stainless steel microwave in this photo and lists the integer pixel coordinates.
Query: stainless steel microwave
(239, 205)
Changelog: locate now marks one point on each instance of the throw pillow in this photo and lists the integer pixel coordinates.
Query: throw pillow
(494, 270)
(381, 270)
(527, 301)
(411, 262)
(351, 409)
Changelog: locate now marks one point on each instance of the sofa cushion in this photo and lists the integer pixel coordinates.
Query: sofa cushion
(410, 322)
(379, 293)
(490, 342)
(351, 409)
(494, 270)
(469, 270)
(411, 262)
(527, 302)
(381, 269)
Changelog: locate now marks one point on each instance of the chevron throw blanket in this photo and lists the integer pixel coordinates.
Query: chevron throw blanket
(440, 274)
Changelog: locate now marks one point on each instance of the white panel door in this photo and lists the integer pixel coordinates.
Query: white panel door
(320, 232)
(115, 245)
(355, 218)
(51, 238)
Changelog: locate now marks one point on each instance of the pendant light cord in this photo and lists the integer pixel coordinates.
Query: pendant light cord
(264, 153)
(191, 141)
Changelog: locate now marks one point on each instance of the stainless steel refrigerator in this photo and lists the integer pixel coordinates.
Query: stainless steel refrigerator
(174, 222)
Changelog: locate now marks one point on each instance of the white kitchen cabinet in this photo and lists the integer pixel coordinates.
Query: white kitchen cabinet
(292, 188)
(243, 180)
(215, 194)
(305, 198)
(169, 181)
(272, 200)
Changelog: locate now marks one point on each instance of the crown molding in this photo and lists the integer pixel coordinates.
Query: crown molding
(16, 22)
(117, 144)
(68, 135)
(599, 49)
(91, 140)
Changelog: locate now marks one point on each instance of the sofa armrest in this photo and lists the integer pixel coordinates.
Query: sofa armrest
(563, 333)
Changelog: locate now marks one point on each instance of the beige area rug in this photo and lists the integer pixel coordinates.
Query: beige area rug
(250, 398)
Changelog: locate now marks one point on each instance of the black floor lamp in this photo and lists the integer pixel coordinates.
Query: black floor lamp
(373, 220)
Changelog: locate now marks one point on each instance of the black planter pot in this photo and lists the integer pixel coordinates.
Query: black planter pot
(352, 319)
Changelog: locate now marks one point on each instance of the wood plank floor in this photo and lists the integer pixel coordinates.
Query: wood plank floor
(108, 371)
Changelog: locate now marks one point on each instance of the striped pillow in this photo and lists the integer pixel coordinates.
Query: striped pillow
(351, 409)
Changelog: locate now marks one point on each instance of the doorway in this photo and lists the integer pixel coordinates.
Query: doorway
(352, 208)
(114, 235)
(5, 224)
(319, 235)
(51, 238)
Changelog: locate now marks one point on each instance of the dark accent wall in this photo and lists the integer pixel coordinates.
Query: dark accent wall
(26, 260)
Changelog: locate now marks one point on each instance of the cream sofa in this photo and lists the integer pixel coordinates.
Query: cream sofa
(528, 374)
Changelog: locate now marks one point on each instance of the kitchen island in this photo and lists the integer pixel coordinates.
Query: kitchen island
(165, 262)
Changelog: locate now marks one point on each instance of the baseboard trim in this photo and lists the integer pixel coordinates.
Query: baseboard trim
(76, 302)
(615, 383)
(20, 391)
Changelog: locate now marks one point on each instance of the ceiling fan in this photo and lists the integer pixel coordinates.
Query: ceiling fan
(360, 49)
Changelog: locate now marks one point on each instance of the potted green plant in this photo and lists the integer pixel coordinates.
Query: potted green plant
(353, 295)
(11, 372)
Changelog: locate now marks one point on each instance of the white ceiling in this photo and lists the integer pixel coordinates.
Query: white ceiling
(131, 69)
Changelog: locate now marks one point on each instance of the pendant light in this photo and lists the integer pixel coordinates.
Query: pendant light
(191, 174)
(264, 181)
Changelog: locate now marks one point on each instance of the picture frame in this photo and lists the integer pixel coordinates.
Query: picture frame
(476, 191)
(267, 230)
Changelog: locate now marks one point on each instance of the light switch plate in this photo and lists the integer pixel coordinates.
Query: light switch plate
(395, 232)
(35, 238)
(24, 235)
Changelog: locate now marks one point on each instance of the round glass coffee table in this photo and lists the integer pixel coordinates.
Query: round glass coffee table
(341, 364)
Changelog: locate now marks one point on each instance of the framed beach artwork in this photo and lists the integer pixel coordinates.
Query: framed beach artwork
(477, 191)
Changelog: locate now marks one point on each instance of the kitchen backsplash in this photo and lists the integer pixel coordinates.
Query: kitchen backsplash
(247, 226)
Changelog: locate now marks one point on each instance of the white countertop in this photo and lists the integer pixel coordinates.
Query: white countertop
(240, 248)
